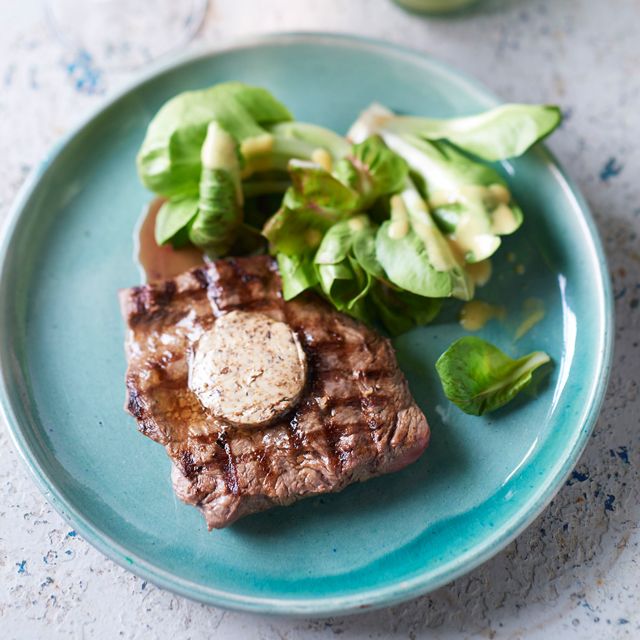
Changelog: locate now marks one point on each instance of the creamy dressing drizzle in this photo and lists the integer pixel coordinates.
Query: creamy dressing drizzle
(475, 234)
(160, 263)
(323, 158)
(503, 222)
(358, 223)
(534, 311)
(258, 145)
(480, 272)
(476, 313)
(438, 249)
(399, 226)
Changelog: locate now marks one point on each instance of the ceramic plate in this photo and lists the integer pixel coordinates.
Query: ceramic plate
(68, 248)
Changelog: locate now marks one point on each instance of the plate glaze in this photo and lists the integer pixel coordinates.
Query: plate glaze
(67, 250)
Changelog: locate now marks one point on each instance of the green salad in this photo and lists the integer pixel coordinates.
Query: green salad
(385, 223)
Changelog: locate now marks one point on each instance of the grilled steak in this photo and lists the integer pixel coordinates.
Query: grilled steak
(354, 419)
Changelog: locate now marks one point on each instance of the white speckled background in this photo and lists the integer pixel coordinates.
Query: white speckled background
(574, 573)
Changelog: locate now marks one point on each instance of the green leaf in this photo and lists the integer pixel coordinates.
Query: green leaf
(219, 218)
(342, 278)
(312, 136)
(470, 200)
(336, 244)
(399, 311)
(315, 189)
(169, 159)
(372, 170)
(343, 283)
(314, 202)
(364, 251)
(295, 232)
(504, 132)
(414, 254)
(407, 263)
(478, 377)
(292, 140)
(173, 220)
(297, 274)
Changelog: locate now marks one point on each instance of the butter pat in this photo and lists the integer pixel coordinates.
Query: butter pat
(248, 369)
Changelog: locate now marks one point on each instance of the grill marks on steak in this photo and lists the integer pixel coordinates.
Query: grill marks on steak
(356, 417)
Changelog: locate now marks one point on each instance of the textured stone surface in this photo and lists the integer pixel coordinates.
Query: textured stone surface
(574, 573)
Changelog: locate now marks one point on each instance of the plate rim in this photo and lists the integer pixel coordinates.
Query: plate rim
(366, 599)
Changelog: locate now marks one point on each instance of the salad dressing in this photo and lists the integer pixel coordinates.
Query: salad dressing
(474, 237)
(323, 158)
(503, 221)
(499, 193)
(480, 272)
(357, 224)
(399, 226)
(160, 263)
(533, 312)
(257, 146)
(473, 234)
(476, 313)
(440, 254)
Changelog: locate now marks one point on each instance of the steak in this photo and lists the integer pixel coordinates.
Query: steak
(355, 418)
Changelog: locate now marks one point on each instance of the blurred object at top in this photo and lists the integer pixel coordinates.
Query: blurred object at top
(121, 34)
(435, 7)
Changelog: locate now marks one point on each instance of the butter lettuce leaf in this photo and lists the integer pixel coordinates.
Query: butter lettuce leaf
(372, 170)
(415, 255)
(295, 231)
(470, 201)
(219, 220)
(313, 188)
(314, 202)
(173, 220)
(169, 159)
(478, 377)
(504, 132)
(298, 274)
(343, 280)
(293, 140)
(399, 311)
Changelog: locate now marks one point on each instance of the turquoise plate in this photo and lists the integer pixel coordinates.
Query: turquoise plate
(67, 249)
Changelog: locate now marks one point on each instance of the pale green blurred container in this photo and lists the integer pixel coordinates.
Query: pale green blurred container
(435, 6)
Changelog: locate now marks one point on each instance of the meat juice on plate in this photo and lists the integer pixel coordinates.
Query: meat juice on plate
(160, 262)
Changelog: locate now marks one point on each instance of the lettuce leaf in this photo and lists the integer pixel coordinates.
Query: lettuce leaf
(297, 273)
(174, 218)
(343, 280)
(415, 255)
(314, 202)
(219, 219)
(470, 200)
(295, 231)
(399, 311)
(372, 170)
(504, 132)
(478, 377)
(169, 159)
(314, 189)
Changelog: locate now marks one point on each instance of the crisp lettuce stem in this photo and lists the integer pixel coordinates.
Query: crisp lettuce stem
(294, 140)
